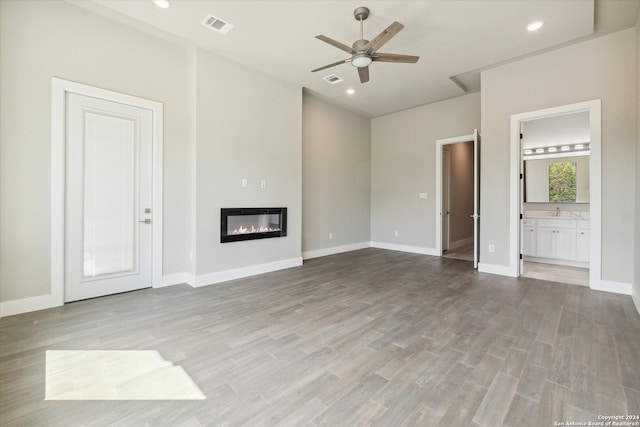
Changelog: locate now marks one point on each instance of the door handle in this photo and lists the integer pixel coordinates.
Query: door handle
(146, 221)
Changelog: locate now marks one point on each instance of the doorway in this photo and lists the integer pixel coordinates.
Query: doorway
(457, 196)
(106, 192)
(561, 236)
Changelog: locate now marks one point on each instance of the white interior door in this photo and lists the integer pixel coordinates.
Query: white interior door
(476, 198)
(108, 230)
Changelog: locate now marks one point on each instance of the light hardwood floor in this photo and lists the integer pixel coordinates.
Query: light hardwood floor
(370, 337)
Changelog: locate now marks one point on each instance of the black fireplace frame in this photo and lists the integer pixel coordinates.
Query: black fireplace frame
(227, 212)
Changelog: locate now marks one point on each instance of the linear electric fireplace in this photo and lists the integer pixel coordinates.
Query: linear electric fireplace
(252, 223)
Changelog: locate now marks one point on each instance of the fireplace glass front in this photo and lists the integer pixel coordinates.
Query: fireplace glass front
(252, 223)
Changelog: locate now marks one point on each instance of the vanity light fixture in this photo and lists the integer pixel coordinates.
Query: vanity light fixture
(565, 148)
(578, 146)
(552, 149)
(534, 26)
(528, 151)
(539, 150)
(165, 4)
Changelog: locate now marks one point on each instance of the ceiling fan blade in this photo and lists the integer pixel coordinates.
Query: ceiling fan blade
(363, 72)
(331, 65)
(383, 37)
(337, 44)
(395, 57)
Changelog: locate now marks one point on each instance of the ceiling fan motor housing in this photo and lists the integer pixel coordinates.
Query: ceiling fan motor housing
(361, 13)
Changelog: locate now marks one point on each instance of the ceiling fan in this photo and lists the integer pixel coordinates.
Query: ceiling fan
(363, 52)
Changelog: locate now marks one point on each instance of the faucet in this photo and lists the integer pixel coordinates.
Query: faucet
(557, 211)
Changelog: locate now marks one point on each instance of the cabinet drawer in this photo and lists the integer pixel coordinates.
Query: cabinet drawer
(557, 223)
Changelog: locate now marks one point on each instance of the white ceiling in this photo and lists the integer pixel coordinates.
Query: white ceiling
(454, 38)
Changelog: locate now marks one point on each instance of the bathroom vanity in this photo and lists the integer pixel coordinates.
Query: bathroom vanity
(562, 239)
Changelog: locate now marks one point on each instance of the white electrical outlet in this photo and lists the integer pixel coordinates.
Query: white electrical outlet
(330, 236)
(396, 233)
(422, 195)
(263, 183)
(244, 182)
(492, 248)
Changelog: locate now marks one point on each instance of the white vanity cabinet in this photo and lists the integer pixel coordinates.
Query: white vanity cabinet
(529, 237)
(583, 243)
(557, 241)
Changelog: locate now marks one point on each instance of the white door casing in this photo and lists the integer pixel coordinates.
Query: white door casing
(61, 91)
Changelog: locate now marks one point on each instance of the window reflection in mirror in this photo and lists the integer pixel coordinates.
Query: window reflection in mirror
(557, 180)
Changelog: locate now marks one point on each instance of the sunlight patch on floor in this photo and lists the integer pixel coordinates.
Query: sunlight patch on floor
(116, 375)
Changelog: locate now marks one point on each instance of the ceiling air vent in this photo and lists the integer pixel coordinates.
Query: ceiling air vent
(217, 24)
(333, 79)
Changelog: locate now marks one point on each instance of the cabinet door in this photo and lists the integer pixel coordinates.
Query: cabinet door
(529, 241)
(545, 245)
(583, 246)
(565, 243)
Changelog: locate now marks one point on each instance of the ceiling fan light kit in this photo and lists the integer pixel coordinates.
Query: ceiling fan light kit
(364, 52)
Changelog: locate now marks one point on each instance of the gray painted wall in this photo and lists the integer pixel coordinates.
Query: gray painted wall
(336, 170)
(600, 68)
(223, 122)
(248, 126)
(403, 165)
(40, 40)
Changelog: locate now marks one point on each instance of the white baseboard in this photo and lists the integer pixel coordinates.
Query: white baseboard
(636, 298)
(335, 250)
(25, 305)
(500, 270)
(239, 273)
(609, 286)
(170, 280)
(405, 248)
(461, 242)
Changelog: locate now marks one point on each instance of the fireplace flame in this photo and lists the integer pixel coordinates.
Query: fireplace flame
(252, 229)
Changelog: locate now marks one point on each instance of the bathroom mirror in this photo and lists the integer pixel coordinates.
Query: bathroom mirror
(557, 180)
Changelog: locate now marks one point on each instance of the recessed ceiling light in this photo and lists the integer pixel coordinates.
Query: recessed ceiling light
(165, 4)
(351, 91)
(535, 26)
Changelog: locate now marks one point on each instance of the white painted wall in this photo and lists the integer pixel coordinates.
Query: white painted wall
(403, 165)
(336, 171)
(602, 68)
(42, 39)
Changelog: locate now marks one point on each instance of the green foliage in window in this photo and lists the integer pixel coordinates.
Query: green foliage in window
(562, 182)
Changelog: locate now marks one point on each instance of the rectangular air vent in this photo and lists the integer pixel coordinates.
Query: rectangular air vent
(217, 24)
(333, 79)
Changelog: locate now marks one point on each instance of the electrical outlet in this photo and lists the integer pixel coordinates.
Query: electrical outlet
(263, 183)
(396, 233)
(244, 182)
(422, 195)
(330, 236)
(492, 248)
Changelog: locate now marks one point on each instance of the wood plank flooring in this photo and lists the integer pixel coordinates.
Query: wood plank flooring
(370, 337)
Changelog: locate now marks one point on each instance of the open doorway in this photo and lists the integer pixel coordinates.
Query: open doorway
(457, 201)
(555, 228)
(565, 234)
(457, 195)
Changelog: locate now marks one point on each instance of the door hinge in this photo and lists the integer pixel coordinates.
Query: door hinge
(520, 256)
(521, 176)
(520, 216)
(521, 136)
